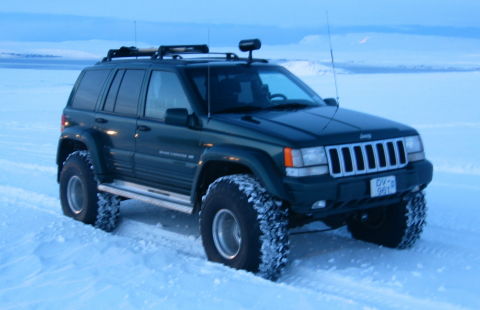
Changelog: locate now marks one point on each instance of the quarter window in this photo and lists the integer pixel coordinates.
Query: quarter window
(89, 89)
(164, 92)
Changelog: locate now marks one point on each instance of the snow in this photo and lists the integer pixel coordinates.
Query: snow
(155, 258)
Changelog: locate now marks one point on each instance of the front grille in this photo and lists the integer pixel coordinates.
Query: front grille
(361, 158)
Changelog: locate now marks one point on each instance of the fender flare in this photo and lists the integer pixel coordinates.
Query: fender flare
(259, 162)
(93, 144)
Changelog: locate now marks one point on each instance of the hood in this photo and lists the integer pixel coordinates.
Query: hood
(315, 126)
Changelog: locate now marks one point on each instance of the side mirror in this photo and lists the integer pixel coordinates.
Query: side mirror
(177, 117)
(331, 102)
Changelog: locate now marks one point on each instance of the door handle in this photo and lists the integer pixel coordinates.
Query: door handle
(143, 128)
(100, 120)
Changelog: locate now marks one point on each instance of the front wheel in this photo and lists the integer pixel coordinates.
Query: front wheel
(395, 226)
(243, 227)
(80, 198)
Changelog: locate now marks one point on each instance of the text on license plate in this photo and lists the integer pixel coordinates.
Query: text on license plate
(383, 186)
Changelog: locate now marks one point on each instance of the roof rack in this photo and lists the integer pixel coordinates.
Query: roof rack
(175, 51)
(154, 53)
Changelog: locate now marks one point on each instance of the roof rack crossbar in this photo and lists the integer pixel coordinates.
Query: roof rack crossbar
(228, 55)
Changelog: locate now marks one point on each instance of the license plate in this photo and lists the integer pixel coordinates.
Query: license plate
(383, 186)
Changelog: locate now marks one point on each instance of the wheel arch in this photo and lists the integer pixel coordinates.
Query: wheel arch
(76, 140)
(220, 161)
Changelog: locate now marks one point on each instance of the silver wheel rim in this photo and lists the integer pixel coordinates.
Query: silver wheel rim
(75, 194)
(227, 234)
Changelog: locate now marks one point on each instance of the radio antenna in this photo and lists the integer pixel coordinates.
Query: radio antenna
(332, 59)
(333, 71)
(135, 31)
(208, 79)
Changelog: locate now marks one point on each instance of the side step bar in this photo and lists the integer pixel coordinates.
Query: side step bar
(150, 195)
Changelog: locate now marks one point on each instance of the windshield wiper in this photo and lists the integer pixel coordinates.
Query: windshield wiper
(292, 105)
(244, 108)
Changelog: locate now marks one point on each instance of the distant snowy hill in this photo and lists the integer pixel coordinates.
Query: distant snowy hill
(58, 27)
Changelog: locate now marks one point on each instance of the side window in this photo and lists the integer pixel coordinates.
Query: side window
(89, 88)
(164, 92)
(129, 92)
(113, 91)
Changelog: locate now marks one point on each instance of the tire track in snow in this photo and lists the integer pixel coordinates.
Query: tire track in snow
(8, 164)
(154, 234)
(33, 150)
(14, 195)
(146, 234)
(361, 291)
(440, 242)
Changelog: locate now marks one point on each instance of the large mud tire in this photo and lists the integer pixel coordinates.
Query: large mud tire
(243, 227)
(80, 197)
(395, 226)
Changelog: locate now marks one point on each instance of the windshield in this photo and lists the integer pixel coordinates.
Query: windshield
(250, 88)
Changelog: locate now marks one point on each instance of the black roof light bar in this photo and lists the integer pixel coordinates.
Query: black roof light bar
(129, 51)
(176, 50)
(164, 50)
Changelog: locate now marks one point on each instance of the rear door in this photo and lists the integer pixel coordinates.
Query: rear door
(166, 156)
(117, 120)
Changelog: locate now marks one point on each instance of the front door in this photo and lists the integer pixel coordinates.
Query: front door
(166, 156)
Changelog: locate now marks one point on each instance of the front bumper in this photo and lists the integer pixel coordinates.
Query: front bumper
(351, 193)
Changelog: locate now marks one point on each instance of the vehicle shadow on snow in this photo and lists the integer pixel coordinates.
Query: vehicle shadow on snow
(168, 220)
(331, 250)
(314, 255)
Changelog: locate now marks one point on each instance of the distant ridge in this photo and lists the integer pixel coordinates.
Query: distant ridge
(56, 28)
(25, 55)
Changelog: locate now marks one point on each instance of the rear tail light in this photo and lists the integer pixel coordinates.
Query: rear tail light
(64, 123)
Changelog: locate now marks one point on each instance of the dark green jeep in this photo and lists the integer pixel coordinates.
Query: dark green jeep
(243, 142)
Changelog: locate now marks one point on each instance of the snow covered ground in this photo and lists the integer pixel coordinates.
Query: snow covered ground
(155, 259)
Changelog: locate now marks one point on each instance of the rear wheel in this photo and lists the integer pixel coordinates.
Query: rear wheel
(243, 227)
(396, 226)
(80, 198)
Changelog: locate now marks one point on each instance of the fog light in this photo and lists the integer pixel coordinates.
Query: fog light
(319, 204)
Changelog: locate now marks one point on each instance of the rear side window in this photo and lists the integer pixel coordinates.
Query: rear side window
(89, 89)
(129, 92)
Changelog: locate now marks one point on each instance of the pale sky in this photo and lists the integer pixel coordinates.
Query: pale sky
(271, 12)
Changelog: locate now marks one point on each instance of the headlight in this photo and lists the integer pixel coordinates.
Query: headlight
(414, 148)
(306, 161)
(413, 144)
